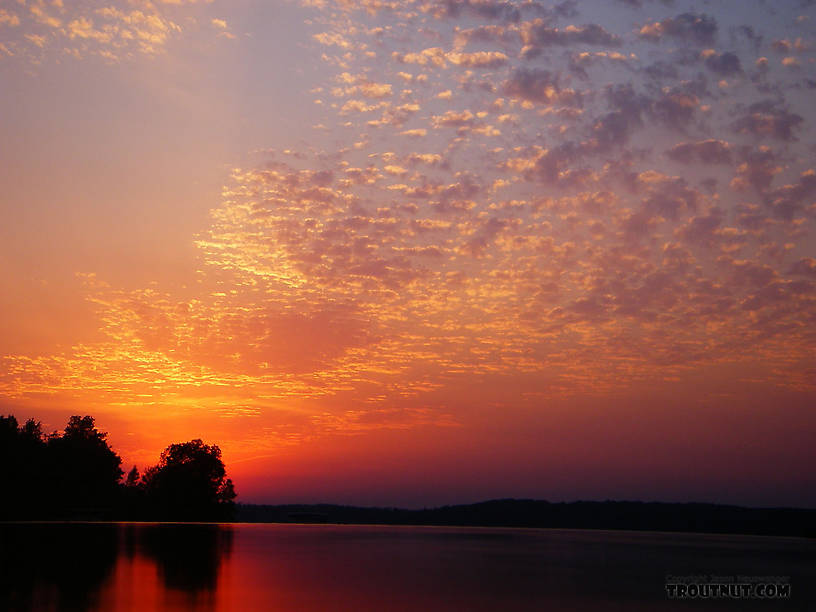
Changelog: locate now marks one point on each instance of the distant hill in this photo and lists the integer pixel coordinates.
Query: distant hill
(640, 516)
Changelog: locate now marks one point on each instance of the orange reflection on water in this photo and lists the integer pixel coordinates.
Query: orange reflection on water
(167, 568)
(310, 568)
(134, 585)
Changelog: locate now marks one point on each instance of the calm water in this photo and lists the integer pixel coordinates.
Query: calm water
(138, 567)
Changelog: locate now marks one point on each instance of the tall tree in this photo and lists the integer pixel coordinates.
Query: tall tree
(86, 470)
(190, 483)
(23, 469)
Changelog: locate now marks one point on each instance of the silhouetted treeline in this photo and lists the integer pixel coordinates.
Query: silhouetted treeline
(188, 484)
(75, 474)
(701, 518)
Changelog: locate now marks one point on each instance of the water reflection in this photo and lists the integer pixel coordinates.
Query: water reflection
(215, 568)
(188, 557)
(89, 567)
(49, 567)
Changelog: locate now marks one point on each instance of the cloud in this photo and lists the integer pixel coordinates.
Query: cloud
(668, 196)
(676, 107)
(456, 119)
(788, 200)
(785, 46)
(478, 59)
(579, 62)
(629, 107)
(791, 62)
(538, 85)
(112, 31)
(538, 35)
(495, 196)
(723, 64)
(769, 118)
(44, 18)
(494, 10)
(484, 236)
(434, 56)
(757, 170)
(414, 133)
(806, 266)
(493, 34)
(709, 151)
(689, 27)
(363, 86)
(9, 19)
(701, 230)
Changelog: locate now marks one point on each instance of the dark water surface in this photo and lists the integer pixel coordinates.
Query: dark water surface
(242, 567)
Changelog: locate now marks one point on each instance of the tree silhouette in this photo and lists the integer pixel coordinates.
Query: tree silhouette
(189, 483)
(85, 470)
(76, 475)
(23, 468)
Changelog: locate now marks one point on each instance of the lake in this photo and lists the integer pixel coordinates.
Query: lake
(249, 567)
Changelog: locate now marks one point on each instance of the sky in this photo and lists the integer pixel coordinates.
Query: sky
(419, 252)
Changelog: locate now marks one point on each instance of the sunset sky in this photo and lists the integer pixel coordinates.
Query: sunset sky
(419, 252)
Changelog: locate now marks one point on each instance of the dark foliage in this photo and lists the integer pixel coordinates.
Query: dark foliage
(703, 518)
(86, 471)
(23, 469)
(75, 475)
(189, 484)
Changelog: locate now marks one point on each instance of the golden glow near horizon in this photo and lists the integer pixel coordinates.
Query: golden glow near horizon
(483, 222)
